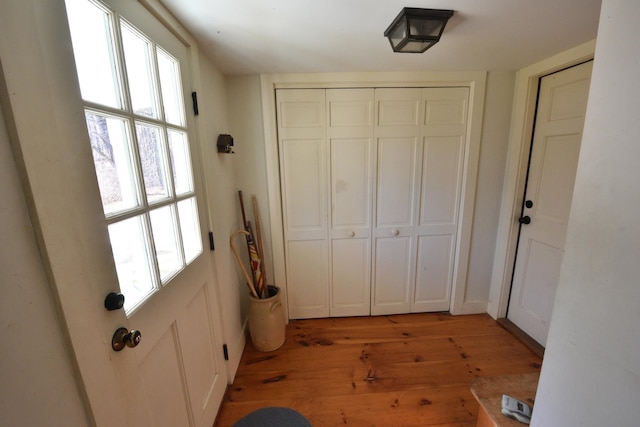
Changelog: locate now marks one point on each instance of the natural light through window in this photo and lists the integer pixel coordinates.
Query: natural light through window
(137, 129)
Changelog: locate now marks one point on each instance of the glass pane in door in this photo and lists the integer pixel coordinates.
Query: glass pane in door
(132, 256)
(165, 239)
(171, 86)
(153, 161)
(94, 52)
(113, 159)
(190, 226)
(139, 63)
(180, 161)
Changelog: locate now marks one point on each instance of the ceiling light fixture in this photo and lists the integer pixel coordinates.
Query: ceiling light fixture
(415, 30)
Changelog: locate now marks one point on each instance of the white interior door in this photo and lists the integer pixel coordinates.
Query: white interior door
(397, 133)
(371, 197)
(444, 131)
(303, 160)
(554, 157)
(176, 374)
(350, 135)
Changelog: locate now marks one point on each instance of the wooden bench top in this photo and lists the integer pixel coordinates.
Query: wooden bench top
(489, 390)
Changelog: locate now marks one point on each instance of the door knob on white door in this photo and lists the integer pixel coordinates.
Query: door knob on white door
(352, 233)
(122, 338)
(114, 301)
(395, 232)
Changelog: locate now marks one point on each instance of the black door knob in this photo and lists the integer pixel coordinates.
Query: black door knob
(528, 204)
(525, 220)
(114, 301)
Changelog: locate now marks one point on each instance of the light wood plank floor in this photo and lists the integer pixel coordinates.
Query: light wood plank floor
(401, 370)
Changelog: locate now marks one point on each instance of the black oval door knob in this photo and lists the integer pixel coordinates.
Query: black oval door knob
(114, 301)
(528, 204)
(525, 220)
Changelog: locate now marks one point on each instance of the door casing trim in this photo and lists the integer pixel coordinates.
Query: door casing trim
(475, 80)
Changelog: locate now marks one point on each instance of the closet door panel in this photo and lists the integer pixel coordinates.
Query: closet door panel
(304, 180)
(396, 182)
(440, 190)
(350, 226)
(397, 130)
(350, 135)
(394, 241)
(393, 234)
(350, 283)
(307, 278)
(372, 181)
(443, 145)
(433, 277)
(393, 275)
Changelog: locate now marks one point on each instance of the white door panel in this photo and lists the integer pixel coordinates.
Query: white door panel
(305, 181)
(395, 181)
(166, 387)
(443, 149)
(350, 135)
(184, 311)
(350, 183)
(554, 159)
(153, 382)
(553, 188)
(434, 273)
(305, 186)
(350, 281)
(397, 133)
(394, 161)
(179, 322)
(393, 272)
(442, 158)
(307, 278)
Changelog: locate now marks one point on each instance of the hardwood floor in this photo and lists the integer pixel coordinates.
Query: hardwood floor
(401, 370)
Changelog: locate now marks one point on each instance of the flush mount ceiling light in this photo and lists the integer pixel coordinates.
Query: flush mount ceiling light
(416, 30)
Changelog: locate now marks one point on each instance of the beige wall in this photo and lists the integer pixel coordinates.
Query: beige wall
(224, 217)
(591, 370)
(491, 170)
(247, 127)
(36, 373)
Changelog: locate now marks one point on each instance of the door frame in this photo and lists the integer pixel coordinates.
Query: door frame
(475, 81)
(522, 125)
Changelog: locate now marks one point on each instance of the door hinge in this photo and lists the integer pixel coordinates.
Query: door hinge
(225, 351)
(194, 98)
(212, 246)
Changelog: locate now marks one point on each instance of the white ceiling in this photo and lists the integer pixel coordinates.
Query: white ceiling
(286, 36)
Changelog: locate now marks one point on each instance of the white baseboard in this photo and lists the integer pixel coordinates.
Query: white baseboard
(474, 307)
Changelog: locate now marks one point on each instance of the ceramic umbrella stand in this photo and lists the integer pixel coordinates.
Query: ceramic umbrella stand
(267, 321)
(266, 314)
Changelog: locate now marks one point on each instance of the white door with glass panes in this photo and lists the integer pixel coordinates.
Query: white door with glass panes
(136, 230)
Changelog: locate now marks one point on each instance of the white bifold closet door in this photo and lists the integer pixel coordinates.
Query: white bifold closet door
(371, 183)
(420, 140)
